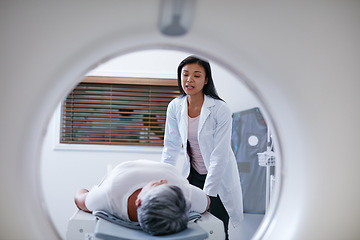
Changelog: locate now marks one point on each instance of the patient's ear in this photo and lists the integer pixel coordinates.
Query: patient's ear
(138, 202)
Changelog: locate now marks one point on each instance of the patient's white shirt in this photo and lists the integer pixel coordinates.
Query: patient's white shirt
(113, 192)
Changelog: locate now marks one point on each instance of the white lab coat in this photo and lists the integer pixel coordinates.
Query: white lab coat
(214, 136)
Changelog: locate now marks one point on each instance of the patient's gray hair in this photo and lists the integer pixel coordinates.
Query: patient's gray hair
(164, 210)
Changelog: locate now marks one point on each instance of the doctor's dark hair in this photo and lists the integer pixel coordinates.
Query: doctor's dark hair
(164, 210)
(209, 88)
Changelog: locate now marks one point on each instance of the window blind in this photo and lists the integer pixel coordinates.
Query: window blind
(122, 112)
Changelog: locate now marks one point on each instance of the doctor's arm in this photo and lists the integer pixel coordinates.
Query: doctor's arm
(172, 138)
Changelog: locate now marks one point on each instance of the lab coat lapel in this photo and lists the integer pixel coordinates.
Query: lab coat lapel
(205, 111)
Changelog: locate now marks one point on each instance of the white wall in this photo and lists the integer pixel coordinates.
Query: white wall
(65, 169)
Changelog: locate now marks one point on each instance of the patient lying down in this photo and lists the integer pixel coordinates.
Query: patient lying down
(152, 193)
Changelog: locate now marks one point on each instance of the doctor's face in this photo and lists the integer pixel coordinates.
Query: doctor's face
(193, 79)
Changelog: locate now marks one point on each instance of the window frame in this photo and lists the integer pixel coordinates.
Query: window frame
(105, 147)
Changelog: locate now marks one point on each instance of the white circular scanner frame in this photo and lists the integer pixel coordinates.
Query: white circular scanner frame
(286, 52)
(117, 51)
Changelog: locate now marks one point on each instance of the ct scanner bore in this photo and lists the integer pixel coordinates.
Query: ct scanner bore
(70, 159)
(288, 50)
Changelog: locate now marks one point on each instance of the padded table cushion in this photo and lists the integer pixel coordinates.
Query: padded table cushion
(110, 231)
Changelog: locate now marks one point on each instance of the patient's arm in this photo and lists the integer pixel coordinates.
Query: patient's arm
(80, 198)
(200, 202)
(208, 203)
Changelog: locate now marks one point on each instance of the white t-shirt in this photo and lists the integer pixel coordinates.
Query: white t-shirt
(113, 193)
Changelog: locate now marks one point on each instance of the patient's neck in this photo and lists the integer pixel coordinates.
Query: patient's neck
(131, 206)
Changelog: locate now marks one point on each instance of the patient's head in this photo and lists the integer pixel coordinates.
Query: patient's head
(163, 210)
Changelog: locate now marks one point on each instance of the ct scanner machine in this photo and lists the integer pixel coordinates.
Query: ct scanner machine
(301, 59)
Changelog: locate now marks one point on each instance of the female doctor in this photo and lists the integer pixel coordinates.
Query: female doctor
(200, 121)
